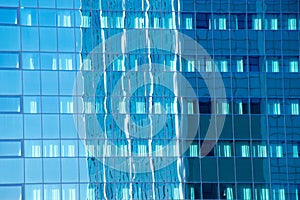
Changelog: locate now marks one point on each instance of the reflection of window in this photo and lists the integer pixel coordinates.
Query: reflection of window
(190, 108)
(292, 24)
(295, 151)
(86, 21)
(189, 23)
(229, 193)
(125, 193)
(156, 22)
(139, 22)
(142, 150)
(158, 150)
(274, 108)
(257, 23)
(208, 66)
(245, 151)
(103, 21)
(259, 150)
(272, 66)
(247, 193)
(225, 150)
(276, 150)
(194, 150)
(140, 108)
(295, 107)
(223, 108)
(293, 66)
(271, 24)
(240, 65)
(218, 23)
(190, 66)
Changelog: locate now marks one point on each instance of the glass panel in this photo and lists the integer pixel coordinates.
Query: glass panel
(8, 16)
(9, 60)
(10, 104)
(10, 148)
(11, 192)
(10, 38)
(28, 17)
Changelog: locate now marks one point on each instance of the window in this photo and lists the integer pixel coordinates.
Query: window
(125, 193)
(189, 23)
(224, 149)
(118, 64)
(190, 108)
(85, 21)
(255, 106)
(139, 22)
(276, 150)
(272, 65)
(271, 23)
(103, 21)
(257, 23)
(157, 108)
(194, 150)
(259, 150)
(240, 65)
(140, 108)
(158, 150)
(223, 108)
(190, 66)
(222, 65)
(64, 18)
(274, 108)
(294, 107)
(295, 151)
(208, 66)
(292, 24)
(218, 23)
(242, 149)
(293, 66)
(142, 150)
(156, 22)
(247, 193)
(240, 106)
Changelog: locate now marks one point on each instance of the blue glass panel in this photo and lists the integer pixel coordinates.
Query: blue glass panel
(29, 17)
(9, 60)
(49, 82)
(10, 104)
(11, 126)
(28, 3)
(10, 38)
(48, 39)
(30, 40)
(66, 39)
(46, 3)
(11, 171)
(10, 148)
(52, 170)
(11, 192)
(9, 3)
(31, 82)
(50, 126)
(8, 16)
(68, 165)
(32, 126)
(47, 17)
(33, 170)
(10, 82)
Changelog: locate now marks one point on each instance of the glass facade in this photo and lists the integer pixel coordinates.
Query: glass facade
(114, 99)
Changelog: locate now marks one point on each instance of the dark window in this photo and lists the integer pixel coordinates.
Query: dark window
(255, 106)
(202, 21)
(254, 63)
(204, 106)
(210, 190)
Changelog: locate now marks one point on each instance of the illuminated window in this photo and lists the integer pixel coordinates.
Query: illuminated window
(292, 24)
